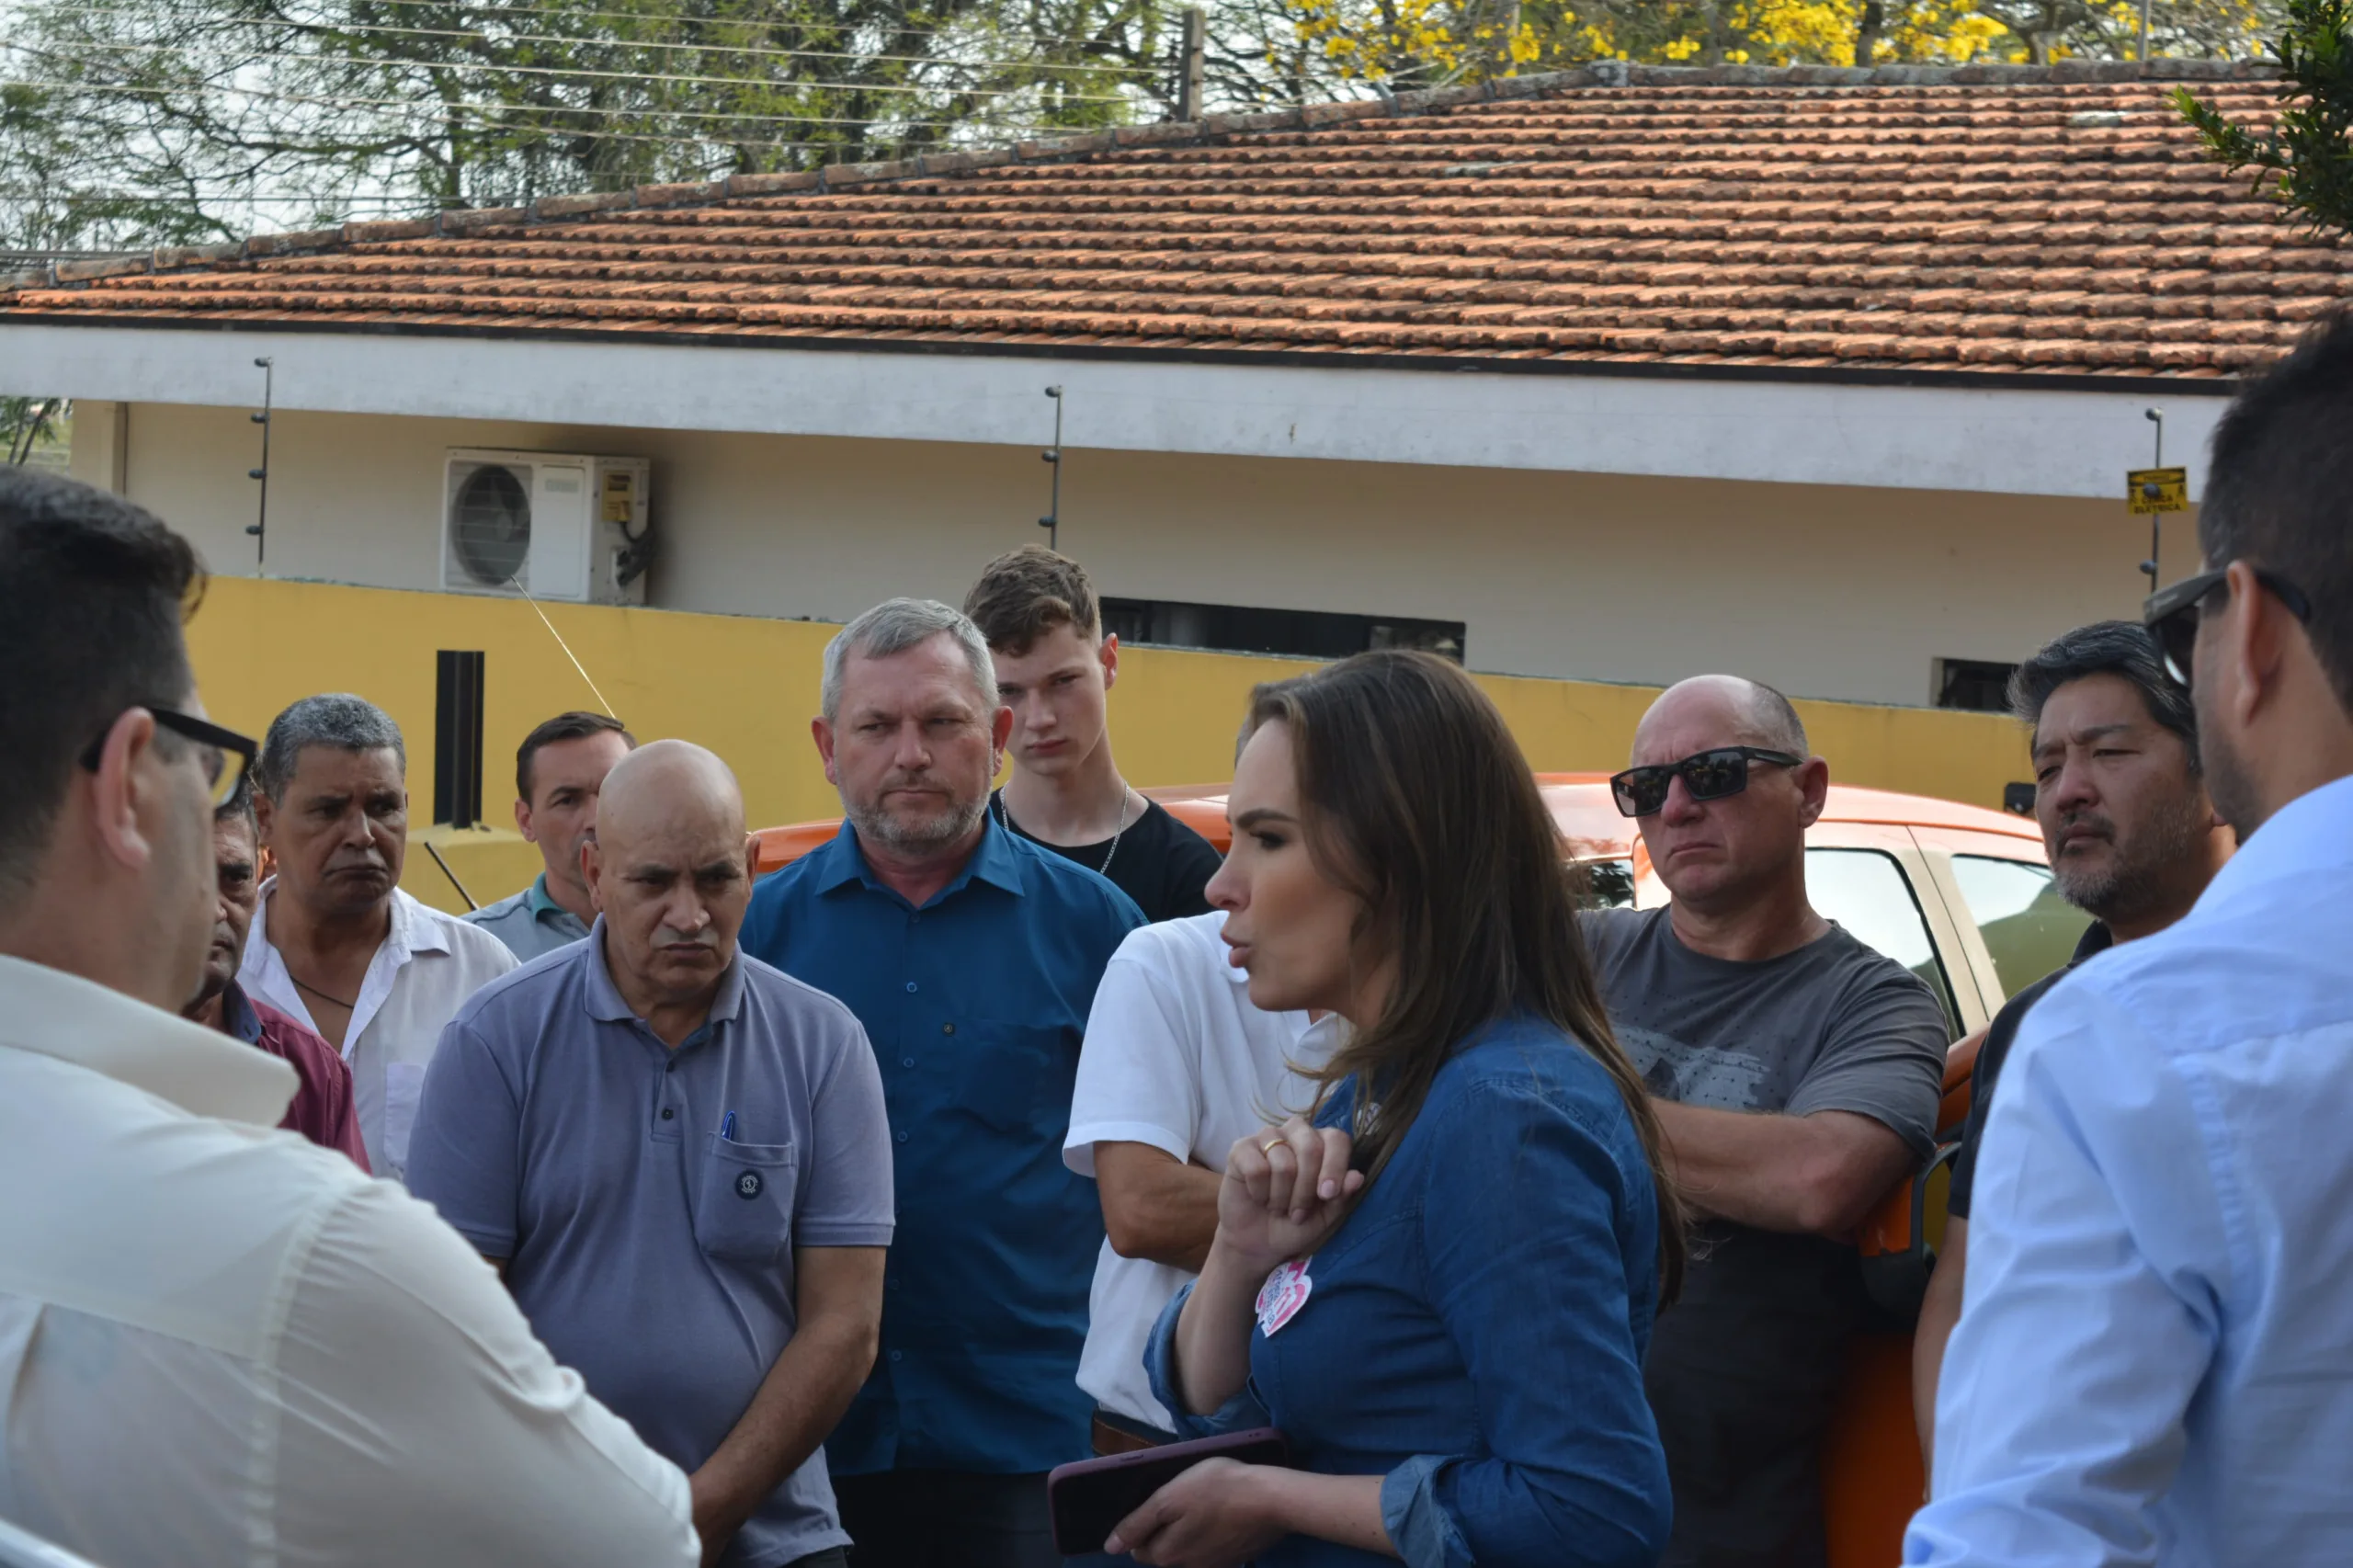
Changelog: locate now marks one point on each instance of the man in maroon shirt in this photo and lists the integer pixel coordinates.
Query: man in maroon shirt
(321, 1109)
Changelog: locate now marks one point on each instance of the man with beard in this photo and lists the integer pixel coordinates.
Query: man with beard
(2132, 840)
(677, 1158)
(2151, 1359)
(321, 1109)
(972, 956)
(336, 943)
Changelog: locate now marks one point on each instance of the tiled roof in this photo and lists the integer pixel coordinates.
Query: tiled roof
(2010, 222)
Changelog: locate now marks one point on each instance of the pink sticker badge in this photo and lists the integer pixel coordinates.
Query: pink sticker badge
(1283, 1294)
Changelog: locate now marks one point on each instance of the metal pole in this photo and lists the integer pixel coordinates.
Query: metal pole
(1188, 96)
(1052, 521)
(2144, 32)
(2156, 519)
(260, 528)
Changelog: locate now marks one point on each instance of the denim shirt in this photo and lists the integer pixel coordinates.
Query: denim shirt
(1474, 1330)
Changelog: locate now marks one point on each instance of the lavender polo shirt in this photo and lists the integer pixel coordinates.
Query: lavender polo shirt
(649, 1251)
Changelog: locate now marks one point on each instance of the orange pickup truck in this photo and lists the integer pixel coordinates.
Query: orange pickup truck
(1959, 895)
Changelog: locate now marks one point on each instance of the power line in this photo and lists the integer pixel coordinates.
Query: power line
(656, 17)
(757, 49)
(878, 129)
(499, 69)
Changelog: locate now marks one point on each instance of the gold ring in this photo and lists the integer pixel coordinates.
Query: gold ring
(1268, 1144)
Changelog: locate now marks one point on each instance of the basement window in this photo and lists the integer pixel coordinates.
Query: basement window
(1977, 686)
(1303, 633)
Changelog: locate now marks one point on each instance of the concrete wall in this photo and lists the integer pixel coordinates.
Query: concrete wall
(1836, 592)
(747, 688)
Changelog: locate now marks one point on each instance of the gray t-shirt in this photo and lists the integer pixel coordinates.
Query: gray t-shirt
(649, 1201)
(1744, 1368)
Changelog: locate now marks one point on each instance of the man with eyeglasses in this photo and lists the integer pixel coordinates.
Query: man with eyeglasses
(221, 1344)
(1795, 1073)
(2151, 1359)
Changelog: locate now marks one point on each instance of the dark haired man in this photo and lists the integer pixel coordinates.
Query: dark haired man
(2149, 1365)
(2133, 841)
(1056, 669)
(221, 1345)
(559, 769)
(321, 1109)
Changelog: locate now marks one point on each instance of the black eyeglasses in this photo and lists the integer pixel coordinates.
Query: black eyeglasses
(2171, 614)
(1709, 775)
(225, 755)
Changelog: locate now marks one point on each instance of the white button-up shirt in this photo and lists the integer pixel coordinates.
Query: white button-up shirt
(2154, 1360)
(221, 1345)
(429, 963)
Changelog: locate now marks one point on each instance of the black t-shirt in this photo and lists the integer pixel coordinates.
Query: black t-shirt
(1158, 861)
(1743, 1369)
(1988, 1067)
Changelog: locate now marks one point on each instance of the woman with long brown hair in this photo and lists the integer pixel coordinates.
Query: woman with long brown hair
(1441, 1286)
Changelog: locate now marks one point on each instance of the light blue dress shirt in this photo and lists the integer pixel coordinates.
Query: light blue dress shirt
(2154, 1360)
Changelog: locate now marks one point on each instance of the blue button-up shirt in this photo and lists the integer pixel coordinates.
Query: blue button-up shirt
(975, 1003)
(1473, 1332)
(2154, 1360)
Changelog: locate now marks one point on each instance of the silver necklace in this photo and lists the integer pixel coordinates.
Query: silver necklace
(1004, 820)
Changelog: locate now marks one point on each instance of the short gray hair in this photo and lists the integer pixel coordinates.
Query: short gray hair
(1775, 718)
(893, 627)
(333, 718)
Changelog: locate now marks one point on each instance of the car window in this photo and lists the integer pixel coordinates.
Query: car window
(1867, 893)
(2028, 929)
(1608, 884)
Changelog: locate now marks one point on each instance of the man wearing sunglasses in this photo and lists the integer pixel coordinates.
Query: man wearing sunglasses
(2151, 1362)
(1795, 1073)
(221, 1345)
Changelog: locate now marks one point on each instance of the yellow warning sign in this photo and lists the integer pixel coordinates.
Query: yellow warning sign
(2148, 490)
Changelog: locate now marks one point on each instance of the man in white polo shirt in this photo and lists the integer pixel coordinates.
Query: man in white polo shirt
(1177, 1067)
(221, 1345)
(335, 943)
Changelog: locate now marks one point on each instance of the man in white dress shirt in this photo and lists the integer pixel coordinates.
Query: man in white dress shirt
(2155, 1358)
(220, 1344)
(335, 943)
(1179, 1065)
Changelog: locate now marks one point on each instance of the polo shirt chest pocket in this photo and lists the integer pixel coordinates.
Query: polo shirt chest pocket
(743, 1200)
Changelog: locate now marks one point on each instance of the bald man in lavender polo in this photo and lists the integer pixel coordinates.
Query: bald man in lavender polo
(679, 1159)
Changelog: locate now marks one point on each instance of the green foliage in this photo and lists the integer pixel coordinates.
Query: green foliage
(144, 121)
(2305, 159)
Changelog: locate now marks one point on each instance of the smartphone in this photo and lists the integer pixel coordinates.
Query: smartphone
(1089, 1497)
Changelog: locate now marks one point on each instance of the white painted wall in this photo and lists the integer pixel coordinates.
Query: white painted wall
(1827, 591)
(2013, 442)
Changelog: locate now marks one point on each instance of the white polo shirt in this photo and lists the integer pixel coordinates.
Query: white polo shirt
(223, 1346)
(429, 963)
(1177, 1058)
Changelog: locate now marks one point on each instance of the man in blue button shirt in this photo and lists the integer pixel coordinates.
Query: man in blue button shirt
(2154, 1360)
(677, 1158)
(972, 956)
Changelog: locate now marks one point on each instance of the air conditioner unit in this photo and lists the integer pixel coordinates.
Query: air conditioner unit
(554, 524)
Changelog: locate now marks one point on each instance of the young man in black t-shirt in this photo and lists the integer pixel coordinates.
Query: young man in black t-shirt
(1055, 670)
(2134, 841)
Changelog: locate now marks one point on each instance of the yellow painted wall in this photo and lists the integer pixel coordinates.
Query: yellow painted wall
(747, 688)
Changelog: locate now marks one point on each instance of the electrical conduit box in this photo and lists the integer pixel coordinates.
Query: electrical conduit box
(557, 526)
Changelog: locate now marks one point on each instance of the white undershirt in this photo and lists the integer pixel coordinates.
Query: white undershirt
(1178, 1058)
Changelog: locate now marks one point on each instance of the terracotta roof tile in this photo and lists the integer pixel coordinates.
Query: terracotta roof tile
(2000, 221)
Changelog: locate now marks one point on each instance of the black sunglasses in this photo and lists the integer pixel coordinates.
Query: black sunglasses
(225, 755)
(2171, 614)
(1709, 775)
